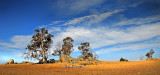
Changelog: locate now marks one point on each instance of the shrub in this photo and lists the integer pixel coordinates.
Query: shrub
(122, 59)
(51, 61)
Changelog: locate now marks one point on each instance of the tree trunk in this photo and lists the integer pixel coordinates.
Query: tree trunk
(84, 55)
(44, 57)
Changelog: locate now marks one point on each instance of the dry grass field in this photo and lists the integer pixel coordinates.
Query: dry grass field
(151, 67)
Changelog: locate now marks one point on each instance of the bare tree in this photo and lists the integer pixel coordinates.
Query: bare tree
(141, 58)
(67, 46)
(40, 44)
(95, 56)
(58, 49)
(149, 54)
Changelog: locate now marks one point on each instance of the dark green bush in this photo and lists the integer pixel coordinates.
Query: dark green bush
(122, 59)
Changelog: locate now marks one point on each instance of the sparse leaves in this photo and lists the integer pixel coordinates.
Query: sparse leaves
(64, 48)
(149, 54)
(86, 51)
(40, 44)
(67, 46)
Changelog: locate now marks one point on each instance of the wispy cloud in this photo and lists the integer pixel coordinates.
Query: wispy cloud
(18, 41)
(91, 19)
(104, 36)
(135, 46)
(137, 21)
(54, 29)
(136, 4)
(75, 6)
(56, 22)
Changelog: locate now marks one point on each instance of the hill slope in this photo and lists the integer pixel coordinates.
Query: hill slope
(105, 68)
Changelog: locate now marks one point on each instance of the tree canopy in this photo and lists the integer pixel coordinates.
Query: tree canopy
(149, 54)
(86, 50)
(40, 44)
(64, 48)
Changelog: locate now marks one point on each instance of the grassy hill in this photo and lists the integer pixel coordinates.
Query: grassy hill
(151, 67)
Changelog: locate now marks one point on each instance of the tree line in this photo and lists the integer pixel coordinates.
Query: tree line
(41, 43)
(39, 47)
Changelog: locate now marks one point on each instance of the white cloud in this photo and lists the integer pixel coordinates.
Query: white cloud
(103, 36)
(92, 19)
(98, 37)
(136, 4)
(56, 22)
(48, 25)
(135, 46)
(138, 21)
(76, 6)
(54, 29)
(42, 26)
(19, 41)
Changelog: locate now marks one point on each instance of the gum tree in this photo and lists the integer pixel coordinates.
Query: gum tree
(149, 54)
(85, 48)
(67, 46)
(40, 45)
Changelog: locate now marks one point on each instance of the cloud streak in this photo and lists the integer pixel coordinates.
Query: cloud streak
(76, 6)
(137, 21)
(91, 19)
(18, 41)
(136, 46)
(135, 4)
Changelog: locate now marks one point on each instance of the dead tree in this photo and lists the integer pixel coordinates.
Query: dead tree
(58, 49)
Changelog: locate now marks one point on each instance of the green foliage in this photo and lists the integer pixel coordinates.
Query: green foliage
(86, 51)
(64, 48)
(67, 46)
(40, 44)
(122, 59)
(149, 54)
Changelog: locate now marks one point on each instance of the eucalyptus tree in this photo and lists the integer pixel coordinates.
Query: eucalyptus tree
(39, 45)
(67, 46)
(149, 54)
(86, 50)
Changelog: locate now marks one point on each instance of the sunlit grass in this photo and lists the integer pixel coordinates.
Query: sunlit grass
(103, 68)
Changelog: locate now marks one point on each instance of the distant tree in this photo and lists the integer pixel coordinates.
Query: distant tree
(85, 48)
(86, 51)
(122, 59)
(149, 54)
(58, 49)
(67, 46)
(95, 56)
(141, 58)
(40, 44)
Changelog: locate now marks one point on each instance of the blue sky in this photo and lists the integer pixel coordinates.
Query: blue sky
(114, 28)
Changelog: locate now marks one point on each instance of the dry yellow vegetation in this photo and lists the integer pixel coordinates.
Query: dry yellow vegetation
(151, 67)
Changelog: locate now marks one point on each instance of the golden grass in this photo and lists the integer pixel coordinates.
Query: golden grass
(105, 68)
